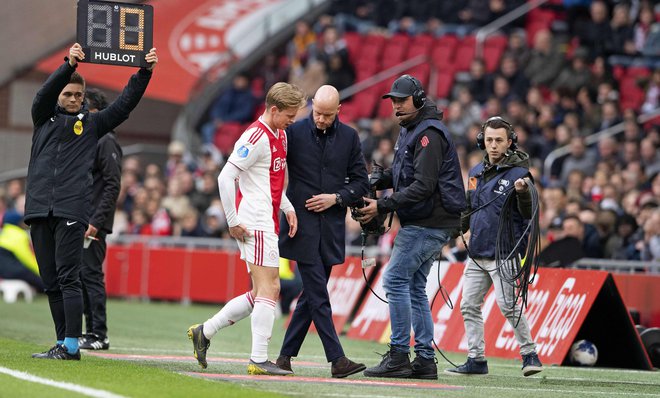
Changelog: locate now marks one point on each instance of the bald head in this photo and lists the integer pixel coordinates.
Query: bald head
(327, 96)
(325, 107)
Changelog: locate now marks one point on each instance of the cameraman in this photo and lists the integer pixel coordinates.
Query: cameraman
(323, 153)
(428, 198)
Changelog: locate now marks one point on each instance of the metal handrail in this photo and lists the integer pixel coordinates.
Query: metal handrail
(494, 26)
(621, 266)
(592, 139)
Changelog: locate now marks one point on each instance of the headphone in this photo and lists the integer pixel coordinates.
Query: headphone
(419, 96)
(509, 129)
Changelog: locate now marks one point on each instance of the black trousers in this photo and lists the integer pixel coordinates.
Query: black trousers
(313, 306)
(93, 287)
(58, 246)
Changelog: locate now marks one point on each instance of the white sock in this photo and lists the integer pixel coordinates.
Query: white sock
(236, 309)
(263, 317)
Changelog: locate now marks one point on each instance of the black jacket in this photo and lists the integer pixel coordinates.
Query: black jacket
(60, 171)
(314, 168)
(427, 161)
(107, 180)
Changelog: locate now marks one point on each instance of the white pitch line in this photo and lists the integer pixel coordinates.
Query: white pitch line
(90, 392)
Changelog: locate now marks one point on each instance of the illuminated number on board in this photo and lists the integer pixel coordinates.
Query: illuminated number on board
(131, 31)
(99, 25)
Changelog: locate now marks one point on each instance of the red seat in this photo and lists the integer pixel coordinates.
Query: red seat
(365, 102)
(500, 41)
(227, 135)
(442, 54)
(632, 96)
(421, 72)
(463, 57)
(445, 82)
(491, 57)
(638, 71)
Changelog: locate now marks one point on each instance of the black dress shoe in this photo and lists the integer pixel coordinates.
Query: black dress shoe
(344, 367)
(284, 362)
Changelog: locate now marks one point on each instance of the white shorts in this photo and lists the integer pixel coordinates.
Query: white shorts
(260, 249)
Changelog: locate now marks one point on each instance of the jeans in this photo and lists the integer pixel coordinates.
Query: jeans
(404, 282)
(475, 286)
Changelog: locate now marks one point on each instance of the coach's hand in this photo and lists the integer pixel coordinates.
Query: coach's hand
(292, 219)
(320, 202)
(239, 232)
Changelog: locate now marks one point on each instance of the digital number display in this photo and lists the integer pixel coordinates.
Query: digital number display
(115, 33)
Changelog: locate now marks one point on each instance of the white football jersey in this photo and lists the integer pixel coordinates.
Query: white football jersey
(260, 154)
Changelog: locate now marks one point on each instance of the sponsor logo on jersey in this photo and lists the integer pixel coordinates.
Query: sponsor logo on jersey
(242, 152)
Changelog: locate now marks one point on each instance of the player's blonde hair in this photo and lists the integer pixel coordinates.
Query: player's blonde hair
(285, 96)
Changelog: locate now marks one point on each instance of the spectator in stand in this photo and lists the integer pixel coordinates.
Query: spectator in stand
(517, 47)
(271, 70)
(235, 104)
(518, 82)
(477, 82)
(176, 202)
(214, 221)
(578, 159)
(189, 224)
(587, 234)
(340, 72)
(601, 71)
(299, 49)
(546, 60)
(596, 33)
(15, 189)
(622, 31)
(610, 115)
(652, 93)
(575, 75)
(207, 191)
(643, 27)
(651, 247)
(650, 156)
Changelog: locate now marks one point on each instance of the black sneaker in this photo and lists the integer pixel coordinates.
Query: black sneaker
(200, 343)
(93, 342)
(394, 364)
(423, 368)
(531, 364)
(58, 352)
(471, 367)
(45, 354)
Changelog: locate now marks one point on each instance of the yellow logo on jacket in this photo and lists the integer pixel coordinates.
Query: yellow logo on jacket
(78, 127)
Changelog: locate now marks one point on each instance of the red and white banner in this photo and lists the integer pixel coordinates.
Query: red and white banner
(558, 302)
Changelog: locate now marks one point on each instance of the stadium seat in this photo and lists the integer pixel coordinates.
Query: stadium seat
(491, 57)
(354, 45)
(444, 85)
(632, 96)
(464, 55)
(227, 135)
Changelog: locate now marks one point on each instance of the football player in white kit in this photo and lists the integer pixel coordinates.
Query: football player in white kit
(258, 163)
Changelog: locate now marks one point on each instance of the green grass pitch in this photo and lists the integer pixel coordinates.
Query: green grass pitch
(154, 359)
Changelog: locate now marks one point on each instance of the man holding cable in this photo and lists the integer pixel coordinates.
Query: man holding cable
(488, 183)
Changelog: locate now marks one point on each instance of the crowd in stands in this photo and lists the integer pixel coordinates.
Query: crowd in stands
(557, 82)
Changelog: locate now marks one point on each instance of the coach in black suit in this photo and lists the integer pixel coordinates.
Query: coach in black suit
(326, 173)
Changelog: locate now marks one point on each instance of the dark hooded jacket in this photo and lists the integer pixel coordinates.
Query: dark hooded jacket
(488, 186)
